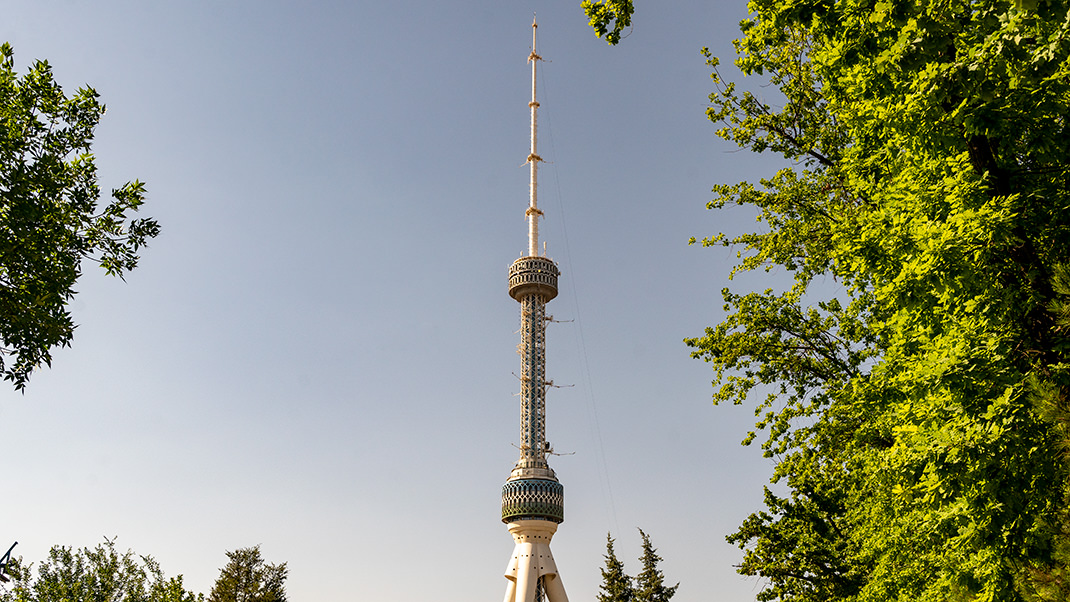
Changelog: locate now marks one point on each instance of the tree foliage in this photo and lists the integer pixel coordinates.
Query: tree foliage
(609, 17)
(616, 584)
(912, 384)
(647, 586)
(248, 578)
(92, 575)
(49, 216)
(650, 582)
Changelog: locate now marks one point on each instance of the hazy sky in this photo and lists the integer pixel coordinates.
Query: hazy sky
(318, 352)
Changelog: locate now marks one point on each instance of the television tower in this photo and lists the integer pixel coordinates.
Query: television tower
(533, 501)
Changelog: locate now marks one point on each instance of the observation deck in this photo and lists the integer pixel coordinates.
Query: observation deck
(533, 275)
(533, 499)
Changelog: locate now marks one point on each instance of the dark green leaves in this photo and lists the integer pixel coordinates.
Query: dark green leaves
(248, 578)
(647, 586)
(616, 584)
(50, 221)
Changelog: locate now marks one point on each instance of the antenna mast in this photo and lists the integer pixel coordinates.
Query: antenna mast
(534, 159)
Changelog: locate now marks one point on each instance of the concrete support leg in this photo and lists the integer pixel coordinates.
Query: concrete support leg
(510, 589)
(555, 590)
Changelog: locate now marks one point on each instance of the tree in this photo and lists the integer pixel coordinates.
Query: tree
(89, 575)
(49, 218)
(248, 578)
(913, 381)
(647, 586)
(650, 582)
(609, 17)
(616, 584)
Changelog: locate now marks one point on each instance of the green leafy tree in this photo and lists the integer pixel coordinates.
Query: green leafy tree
(248, 578)
(650, 582)
(912, 382)
(92, 575)
(1050, 581)
(50, 221)
(616, 584)
(609, 17)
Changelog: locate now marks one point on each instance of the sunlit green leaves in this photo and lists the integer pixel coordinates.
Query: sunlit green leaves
(50, 221)
(912, 383)
(609, 17)
(100, 573)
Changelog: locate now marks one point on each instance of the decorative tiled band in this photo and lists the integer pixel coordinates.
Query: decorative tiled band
(529, 499)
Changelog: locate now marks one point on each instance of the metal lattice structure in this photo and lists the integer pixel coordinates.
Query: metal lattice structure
(533, 382)
(533, 501)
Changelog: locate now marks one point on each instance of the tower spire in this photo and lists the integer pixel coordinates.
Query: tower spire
(534, 159)
(533, 501)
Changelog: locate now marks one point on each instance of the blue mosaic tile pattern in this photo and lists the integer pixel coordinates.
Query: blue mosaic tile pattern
(537, 499)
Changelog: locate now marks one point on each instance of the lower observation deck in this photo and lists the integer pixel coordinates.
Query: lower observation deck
(533, 499)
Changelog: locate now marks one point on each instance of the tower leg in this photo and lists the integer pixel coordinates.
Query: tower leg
(527, 575)
(510, 589)
(555, 590)
(525, 586)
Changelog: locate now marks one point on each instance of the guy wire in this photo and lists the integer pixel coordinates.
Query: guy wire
(594, 430)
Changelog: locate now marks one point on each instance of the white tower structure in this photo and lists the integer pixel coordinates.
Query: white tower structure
(533, 501)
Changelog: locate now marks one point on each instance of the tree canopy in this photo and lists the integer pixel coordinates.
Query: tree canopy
(912, 384)
(87, 575)
(650, 582)
(609, 17)
(102, 573)
(50, 222)
(616, 584)
(647, 586)
(247, 577)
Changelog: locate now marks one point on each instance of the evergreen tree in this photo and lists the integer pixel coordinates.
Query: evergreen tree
(616, 584)
(248, 578)
(650, 583)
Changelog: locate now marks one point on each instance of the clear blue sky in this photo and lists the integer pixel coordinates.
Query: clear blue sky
(317, 353)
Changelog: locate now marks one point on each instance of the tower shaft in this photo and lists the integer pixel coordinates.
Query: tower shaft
(533, 382)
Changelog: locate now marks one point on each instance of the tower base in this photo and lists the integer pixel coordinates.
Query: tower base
(533, 565)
